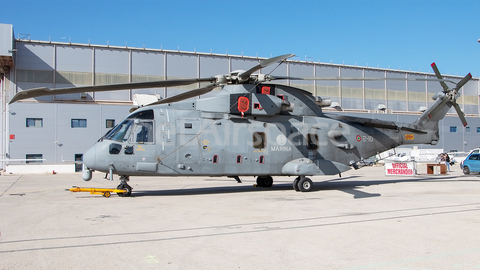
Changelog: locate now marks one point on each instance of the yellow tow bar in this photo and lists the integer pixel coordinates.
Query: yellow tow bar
(106, 192)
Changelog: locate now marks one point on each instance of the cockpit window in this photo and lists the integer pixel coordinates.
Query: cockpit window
(136, 128)
(143, 132)
(122, 132)
(132, 130)
(143, 115)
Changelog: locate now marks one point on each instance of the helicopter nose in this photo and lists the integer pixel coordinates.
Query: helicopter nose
(89, 158)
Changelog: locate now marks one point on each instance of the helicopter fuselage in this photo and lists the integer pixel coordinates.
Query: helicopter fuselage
(245, 130)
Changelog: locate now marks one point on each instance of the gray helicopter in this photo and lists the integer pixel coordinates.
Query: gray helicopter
(251, 127)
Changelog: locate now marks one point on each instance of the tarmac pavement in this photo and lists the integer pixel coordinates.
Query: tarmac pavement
(363, 220)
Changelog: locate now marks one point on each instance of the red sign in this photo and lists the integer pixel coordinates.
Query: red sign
(243, 104)
(399, 168)
(12, 136)
(266, 90)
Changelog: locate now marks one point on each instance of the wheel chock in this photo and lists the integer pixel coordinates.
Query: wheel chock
(106, 192)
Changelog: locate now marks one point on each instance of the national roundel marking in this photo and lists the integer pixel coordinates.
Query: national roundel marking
(359, 138)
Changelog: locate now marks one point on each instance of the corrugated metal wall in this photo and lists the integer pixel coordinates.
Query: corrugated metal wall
(60, 65)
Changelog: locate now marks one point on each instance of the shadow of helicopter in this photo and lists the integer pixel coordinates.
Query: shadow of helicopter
(346, 184)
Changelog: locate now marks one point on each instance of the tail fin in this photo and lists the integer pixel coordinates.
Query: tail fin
(430, 118)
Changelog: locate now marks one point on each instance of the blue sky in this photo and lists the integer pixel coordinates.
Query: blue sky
(407, 35)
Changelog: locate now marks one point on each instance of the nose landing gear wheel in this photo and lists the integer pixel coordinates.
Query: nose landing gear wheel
(125, 187)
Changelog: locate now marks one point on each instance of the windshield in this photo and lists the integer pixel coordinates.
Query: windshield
(122, 132)
(138, 127)
(106, 134)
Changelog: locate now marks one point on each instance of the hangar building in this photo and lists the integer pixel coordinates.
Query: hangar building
(62, 127)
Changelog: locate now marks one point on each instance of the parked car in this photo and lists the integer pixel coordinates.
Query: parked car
(471, 163)
(367, 162)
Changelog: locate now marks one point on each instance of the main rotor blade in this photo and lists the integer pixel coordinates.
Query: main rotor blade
(43, 91)
(437, 73)
(186, 95)
(355, 79)
(264, 63)
(460, 114)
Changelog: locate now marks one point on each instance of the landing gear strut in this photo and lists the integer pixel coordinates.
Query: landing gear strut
(236, 178)
(303, 184)
(124, 186)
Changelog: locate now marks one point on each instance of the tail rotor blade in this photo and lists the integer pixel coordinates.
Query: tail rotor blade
(460, 114)
(463, 81)
(439, 76)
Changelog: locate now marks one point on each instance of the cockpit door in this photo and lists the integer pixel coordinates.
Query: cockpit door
(143, 146)
(132, 144)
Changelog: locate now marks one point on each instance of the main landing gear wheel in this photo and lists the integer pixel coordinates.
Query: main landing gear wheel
(264, 181)
(295, 184)
(125, 187)
(304, 184)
